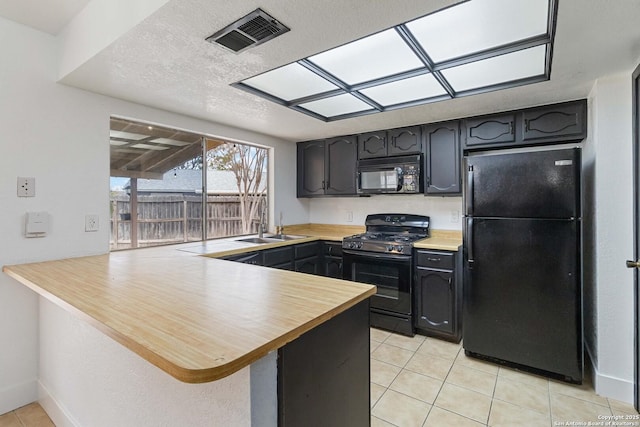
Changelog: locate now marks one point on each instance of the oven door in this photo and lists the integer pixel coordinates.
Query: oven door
(390, 273)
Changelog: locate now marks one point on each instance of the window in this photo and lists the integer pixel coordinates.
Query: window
(163, 193)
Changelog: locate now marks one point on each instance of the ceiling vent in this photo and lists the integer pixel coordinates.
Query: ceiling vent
(251, 30)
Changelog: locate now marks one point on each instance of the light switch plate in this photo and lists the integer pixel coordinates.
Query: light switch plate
(26, 186)
(37, 224)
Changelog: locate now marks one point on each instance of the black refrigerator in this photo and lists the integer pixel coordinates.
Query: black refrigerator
(523, 261)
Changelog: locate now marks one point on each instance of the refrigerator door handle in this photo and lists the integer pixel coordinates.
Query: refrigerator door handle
(469, 192)
(469, 242)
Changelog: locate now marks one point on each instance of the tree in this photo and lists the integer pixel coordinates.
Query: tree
(248, 165)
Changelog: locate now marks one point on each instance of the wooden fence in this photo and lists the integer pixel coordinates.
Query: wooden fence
(176, 218)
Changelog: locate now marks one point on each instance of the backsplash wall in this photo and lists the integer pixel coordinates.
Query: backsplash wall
(445, 212)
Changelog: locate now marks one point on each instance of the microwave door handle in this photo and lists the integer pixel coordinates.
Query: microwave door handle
(399, 179)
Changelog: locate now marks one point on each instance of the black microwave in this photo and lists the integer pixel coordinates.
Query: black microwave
(390, 175)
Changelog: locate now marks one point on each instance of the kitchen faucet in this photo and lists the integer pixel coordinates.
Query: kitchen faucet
(263, 219)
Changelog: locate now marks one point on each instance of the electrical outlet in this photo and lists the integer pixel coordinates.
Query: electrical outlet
(349, 216)
(455, 216)
(26, 186)
(91, 223)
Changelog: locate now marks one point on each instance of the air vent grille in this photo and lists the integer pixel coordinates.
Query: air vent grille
(251, 30)
(259, 28)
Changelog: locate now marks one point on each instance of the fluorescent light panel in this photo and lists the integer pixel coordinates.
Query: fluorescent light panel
(149, 147)
(370, 58)
(167, 141)
(127, 135)
(479, 25)
(337, 105)
(400, 91)
(449, 52)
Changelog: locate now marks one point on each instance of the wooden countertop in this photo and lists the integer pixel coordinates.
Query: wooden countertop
(447, 240)
(197, 318)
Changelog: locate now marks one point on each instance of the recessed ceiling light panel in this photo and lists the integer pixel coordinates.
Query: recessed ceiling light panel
(337, 105)
(370, 58)
(424, 86)
(499, 69)
(472, 47)
(479, 25)
(290, 82)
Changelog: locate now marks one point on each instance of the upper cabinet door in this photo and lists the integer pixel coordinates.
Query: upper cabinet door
(310, 168)
(404, 141)
(490, 130)
(372, 144)
(340, 167)
(561, 121)
(442, 160)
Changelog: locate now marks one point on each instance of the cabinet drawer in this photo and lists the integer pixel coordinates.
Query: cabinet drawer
(434, 259)
(305, 250)
(277, 256)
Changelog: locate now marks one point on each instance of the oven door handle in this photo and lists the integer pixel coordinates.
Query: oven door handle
(377, 256)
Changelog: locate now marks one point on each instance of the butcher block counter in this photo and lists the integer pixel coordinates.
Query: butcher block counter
(197, 318)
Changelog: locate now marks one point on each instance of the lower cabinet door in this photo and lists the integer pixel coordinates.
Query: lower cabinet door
(435, 300)
(308, 265)
(333, 267)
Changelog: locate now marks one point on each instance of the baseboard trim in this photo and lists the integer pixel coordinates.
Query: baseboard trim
(610, 387)
(57, 412)
(18, 395)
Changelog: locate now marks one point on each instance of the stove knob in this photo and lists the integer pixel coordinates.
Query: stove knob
(352, 245)
(390, 248)
(400, 249)
(359, 245)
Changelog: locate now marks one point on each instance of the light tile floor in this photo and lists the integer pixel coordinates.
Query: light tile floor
(31, 415)
(424, 381)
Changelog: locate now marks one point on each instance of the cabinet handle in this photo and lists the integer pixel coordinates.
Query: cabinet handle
(511, 128)
(526, 124)
(323, 185)
(434, 259)
(450, 282)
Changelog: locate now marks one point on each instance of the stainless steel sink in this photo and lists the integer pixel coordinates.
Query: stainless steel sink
(270, 238)
(284, 236)
(257, 240)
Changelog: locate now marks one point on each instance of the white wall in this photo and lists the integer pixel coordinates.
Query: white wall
(87, 379)
(612, 296)
(59, 135)
(445, 212)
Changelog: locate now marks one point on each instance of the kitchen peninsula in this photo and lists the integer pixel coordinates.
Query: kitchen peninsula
(205, 321)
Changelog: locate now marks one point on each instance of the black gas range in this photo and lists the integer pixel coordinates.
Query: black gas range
(382, 256)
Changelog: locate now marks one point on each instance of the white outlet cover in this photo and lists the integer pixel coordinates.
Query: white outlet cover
(91, 222)
(26, 186)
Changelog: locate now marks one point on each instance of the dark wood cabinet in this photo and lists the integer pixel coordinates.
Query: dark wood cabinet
(332, 259)
(404, 141)
(393, 142)
(560, 121)
(494, 129)
(549, 124)
(311, 167)
(254, 258)
(442, 159)
(340, 166)
(438, 294)
(327, 167)
(277, 256)
(372, 144)
(309, 265)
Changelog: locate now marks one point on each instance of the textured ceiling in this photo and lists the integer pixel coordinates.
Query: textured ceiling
(165, 62)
